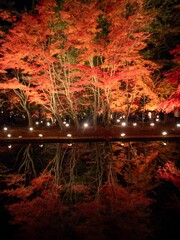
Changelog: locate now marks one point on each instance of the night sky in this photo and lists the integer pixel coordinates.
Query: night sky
(18, 5)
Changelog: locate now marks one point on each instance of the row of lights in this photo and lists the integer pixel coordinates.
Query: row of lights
(86, 125)
(9, 135)
(64, 122)
(47, 124)
(31, 129)
(70, 135)
(123, 124)
(164, 133)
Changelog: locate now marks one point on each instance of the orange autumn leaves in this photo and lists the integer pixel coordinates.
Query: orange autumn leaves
(64, 55)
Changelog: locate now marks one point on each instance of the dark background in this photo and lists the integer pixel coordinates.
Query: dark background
(18, 5)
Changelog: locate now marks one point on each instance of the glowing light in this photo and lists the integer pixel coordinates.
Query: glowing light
(164, 133)
(122, 144)
(150, 114)
(48, 124)
(5, 128)
(41, 145)
(123, 134)
(40, 135)
(152, 124)
(9, 146)
(37, 123)
(69, 144)
(118, 120)
(86, 125)
(20, 137)
(178, 124)
(67, 125)
(134, 124)
(157, 119)
(123, 124)
(31, 129)
(164, 143)
(69, 135)
(9, 135)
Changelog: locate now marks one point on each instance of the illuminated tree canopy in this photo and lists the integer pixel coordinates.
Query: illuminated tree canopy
(80, 57)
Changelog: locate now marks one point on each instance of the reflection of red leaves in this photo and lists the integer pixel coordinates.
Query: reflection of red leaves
(38, 218)
(79, 188)
(170, 172)
(122, 198)
(14, 179)
(42, 181)
(18, 189)
(116, 210)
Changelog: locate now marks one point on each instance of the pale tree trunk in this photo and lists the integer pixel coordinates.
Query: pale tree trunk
(59, 120)
(29, 116)
(30, 121)
(24, 104)
(76, 122)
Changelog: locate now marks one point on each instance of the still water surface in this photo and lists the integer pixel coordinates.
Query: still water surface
(96, 190)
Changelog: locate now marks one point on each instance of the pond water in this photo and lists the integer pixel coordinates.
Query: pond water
(96, 190)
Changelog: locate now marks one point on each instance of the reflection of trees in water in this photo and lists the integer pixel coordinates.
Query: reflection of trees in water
(91, 165)
(97, 188)
(26, 161)
(135, 166)
(76, 165)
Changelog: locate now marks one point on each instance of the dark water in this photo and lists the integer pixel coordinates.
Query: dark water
(104, 190)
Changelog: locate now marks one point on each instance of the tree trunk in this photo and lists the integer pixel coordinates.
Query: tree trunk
(30, 121)
(59, 120)
(76, 122)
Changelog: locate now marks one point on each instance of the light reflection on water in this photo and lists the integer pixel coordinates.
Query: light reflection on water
(110, 190)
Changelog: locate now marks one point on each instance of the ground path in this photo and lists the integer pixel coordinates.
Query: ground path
(140, 132)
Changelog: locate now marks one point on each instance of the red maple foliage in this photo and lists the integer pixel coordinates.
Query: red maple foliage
(69, 67)
(170, 172)
(173, 76)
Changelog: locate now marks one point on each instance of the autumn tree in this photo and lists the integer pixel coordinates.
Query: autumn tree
(162, 43)
(164, 29)
(81, 30)
(11, 74)
(114, 74)
(21, 101)
(35, 47)
(173, 78)
(128, 33)
(83, 57)
(29, 51)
